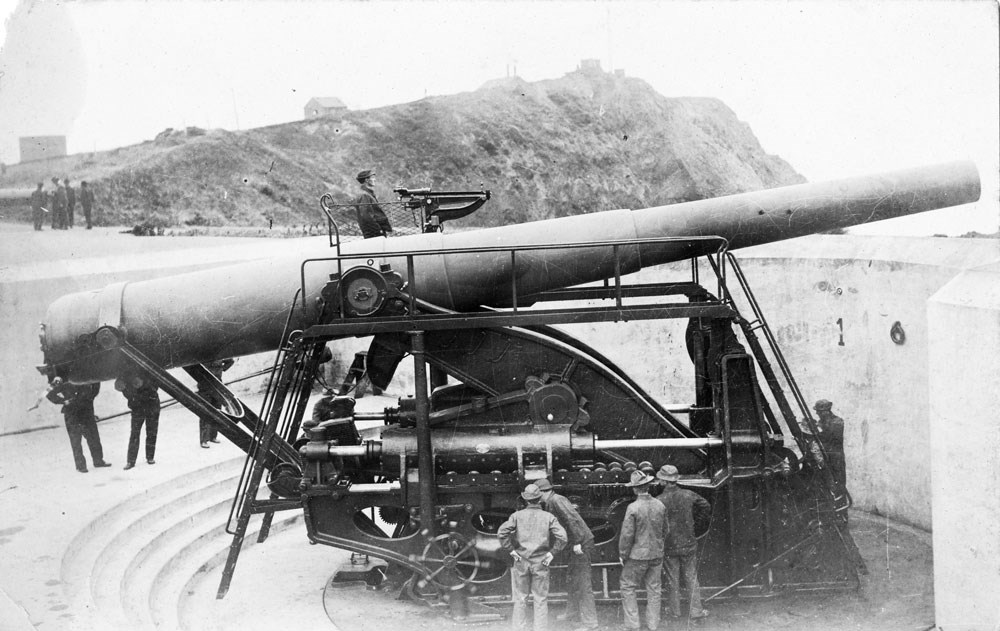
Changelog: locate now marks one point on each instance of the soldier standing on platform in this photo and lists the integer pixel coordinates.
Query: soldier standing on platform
(207, 430)
(831, 434)
(87, 201)
(640, 547)
(532, 537)
(38, 201)
(70, 202)
(78, 412)
(680, 555)
(144, 402)
(371, 218)
(58, 206)
(580, 541)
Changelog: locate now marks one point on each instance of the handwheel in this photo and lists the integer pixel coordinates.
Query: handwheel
(452, 561)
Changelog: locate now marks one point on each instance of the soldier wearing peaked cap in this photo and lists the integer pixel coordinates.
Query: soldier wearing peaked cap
(831, 434)
(680, 554)
(640, 547)
(532, 537)
(371, 218)
(580, 593)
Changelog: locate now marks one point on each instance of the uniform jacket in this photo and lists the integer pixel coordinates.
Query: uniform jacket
(683, 509)
(77, 401)
(144, 398)
(38, 199)
(86, 198)
(831, 432)
(532, 532)
(59, 198)
(70, 196)
(371, 219)
(577, 531)
(644, 530)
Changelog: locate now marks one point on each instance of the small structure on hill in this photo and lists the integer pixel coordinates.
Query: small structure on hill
(320, 106)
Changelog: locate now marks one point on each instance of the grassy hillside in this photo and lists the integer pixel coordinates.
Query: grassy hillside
(586, 142)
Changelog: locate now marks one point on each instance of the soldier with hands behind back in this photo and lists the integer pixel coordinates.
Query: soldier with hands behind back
(680, 555)
(580, 543)
(533, 537)
(640, 547)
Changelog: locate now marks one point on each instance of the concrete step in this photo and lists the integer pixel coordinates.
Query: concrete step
(277, 585)
(172, 598)
(137, 583)
(110, 574)
(86, 557)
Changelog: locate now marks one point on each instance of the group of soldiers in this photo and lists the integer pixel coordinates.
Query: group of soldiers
(60, 202)
(77, 403)
(143, 399)
(657, 539)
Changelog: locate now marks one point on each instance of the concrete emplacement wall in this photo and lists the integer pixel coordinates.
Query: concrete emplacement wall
(833, 302)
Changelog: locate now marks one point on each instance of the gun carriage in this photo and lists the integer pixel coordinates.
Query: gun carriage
(501, 397)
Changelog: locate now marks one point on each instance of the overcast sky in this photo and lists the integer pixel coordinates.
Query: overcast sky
(835, 88)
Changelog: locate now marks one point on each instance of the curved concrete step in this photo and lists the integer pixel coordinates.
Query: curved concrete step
(138, 578)
(110, 573)
(93, 566)
(176, 584)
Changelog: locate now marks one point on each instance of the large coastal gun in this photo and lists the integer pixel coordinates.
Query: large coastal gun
(501, 397)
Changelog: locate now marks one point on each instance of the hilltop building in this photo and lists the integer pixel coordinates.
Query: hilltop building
(319, 106)
(42, 147)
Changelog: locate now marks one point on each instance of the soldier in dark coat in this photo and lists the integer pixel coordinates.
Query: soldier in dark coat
(580, 543)
(144, 402)
(207, 430)
(680, 552)
(81, 423)
(38, 201)
(371, 218)
(87, 201)
(70, 202)
(58, 206)
(831, 434)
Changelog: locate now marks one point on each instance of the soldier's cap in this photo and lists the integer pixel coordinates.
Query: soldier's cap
(639, 479)
(531, 493)
(668, 473)
(543, 485)
(364, 175)
(822, 404)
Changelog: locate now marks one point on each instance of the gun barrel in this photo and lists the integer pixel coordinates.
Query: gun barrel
(242, 309)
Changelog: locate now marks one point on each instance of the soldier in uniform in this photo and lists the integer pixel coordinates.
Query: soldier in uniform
(81, 423)
(532, 537)
(87, 201)
(38, 201)
(371, 219)
(70, 202)
(144, 402)
(580, 541)
(640, 548)
(831, 434)
(207, 430)
(58, 206)
(680, 554)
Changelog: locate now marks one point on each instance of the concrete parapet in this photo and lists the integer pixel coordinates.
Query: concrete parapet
(964, 368)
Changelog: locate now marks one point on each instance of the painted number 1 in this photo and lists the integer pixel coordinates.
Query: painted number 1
(840, 323)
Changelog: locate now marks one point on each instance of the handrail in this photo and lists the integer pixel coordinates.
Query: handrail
(411, 255)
